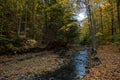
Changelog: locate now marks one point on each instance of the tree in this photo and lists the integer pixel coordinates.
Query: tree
(118, 12)
(92, 24)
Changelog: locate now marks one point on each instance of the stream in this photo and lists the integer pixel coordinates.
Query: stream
(80, 63)
(75, 70)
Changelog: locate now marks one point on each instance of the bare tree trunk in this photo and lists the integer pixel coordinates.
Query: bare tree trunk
(101, 22)
(19, 26)
(118, 13)
(93, 32)
(92, 26)
(33, 20)
(25, 31)
(112, 21)
(112, 24)
(1, 26)
(89, 15)
(44, 30)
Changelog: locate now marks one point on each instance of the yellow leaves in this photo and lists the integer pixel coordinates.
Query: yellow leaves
(62, 1)
(64, 28)
(31, 42)
(102, 7)
(98, 34)
(106, 5)
(36, 6)
(68, 26)
(65, 3)
(97, 1)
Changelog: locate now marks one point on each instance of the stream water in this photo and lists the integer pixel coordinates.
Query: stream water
(75, 70)
(80, 63)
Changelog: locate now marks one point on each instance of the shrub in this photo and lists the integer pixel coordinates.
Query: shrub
(116, 38)
(31, 42)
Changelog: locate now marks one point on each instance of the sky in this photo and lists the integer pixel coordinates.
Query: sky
(81, 15)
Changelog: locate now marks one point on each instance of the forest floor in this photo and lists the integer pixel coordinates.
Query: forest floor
(109, 68)
(16, 66)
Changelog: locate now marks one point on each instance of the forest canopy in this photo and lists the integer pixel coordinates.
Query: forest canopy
(25, 23)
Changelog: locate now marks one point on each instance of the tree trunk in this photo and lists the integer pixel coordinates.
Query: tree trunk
(1, 27)
(33, 20)
(92, 27)
(112, 21)
(101, 22)
(25, 31)
(118, 13)
(45, 31)
(19, 26)
(93, 32)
